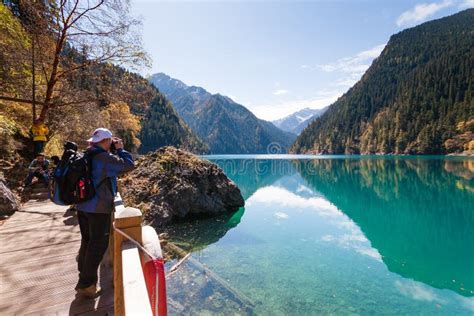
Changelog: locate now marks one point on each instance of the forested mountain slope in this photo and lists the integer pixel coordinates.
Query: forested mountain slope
(416, 98)
(160, 124)
(226, 126)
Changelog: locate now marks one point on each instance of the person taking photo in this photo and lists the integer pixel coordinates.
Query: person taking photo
(94, 215)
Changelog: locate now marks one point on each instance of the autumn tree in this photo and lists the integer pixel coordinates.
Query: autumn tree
(70, 35)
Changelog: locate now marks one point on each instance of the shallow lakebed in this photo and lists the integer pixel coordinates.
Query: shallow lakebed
(334, 235)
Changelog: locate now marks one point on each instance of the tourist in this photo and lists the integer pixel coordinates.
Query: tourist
(94, 215)
(38, 168)
(39, 132)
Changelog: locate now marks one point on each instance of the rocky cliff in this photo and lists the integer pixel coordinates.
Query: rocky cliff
(171, 183)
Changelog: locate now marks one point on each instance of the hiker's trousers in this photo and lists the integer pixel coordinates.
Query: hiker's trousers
(95, 231)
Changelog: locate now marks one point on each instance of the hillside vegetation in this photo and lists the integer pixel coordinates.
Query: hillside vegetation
(416, 98)
(87, 94)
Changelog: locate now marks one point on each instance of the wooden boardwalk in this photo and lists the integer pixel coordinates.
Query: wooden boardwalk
(38, 270)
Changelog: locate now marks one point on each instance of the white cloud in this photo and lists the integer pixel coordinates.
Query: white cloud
(352, 238)
(350, 68)
(354, 65)
(233, 97)
(281, 92)
(467, 4)
(281, 215)
(284, 198)
(421, 12)
(417, 291)
(275, 111)
(468, 302)
(371, 252)
(303, 188)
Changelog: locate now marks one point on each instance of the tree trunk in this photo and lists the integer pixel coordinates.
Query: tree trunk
(53, 78)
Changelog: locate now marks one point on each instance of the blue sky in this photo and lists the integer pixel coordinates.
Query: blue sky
(276, 57)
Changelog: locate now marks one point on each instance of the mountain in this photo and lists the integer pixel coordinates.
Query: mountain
(226, 126)
(416, 98)
(296, 122)
(160, 125)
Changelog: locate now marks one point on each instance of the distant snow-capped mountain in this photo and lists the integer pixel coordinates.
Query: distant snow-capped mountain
(297, 121)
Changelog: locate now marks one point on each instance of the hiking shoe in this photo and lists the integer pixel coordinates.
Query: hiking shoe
(91, 292)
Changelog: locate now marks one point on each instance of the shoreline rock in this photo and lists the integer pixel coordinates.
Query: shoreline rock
(171, 183)
(8, 202)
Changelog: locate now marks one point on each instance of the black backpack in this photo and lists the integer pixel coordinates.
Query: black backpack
(71, 181)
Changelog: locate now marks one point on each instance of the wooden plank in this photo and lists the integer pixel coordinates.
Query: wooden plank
(47, 294)
(13, 241)
(46, 228)
(24, 216)
(49, 298)
(20, 268)
(38, 271)
(39, 282)
(26, 221)
(100, 306)
(43, 242)
(32, 271)
(18, 257)
(10, 225)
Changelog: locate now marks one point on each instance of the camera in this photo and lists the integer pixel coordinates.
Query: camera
(113, 149)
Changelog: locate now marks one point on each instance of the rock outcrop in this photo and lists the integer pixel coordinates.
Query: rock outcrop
(8, 202)
(171, 183)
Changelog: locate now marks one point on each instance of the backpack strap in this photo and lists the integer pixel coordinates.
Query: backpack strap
(90, 157)
(91, 154)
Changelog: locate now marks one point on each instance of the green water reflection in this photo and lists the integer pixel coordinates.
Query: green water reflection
(346, 235)
(416, 214)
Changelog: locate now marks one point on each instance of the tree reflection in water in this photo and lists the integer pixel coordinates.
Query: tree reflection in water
(418, 213)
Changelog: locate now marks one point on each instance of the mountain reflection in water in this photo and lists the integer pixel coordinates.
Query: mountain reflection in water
(414, 215)
(418, 214)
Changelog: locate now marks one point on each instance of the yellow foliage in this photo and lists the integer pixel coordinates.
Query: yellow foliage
(20, 113)
(118, 118)
(463, 125)
(14, 52)
(8, 128)
(470, 146)
(55, 146)
(11, 30)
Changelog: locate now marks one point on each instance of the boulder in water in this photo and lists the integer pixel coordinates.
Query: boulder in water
(171, 183)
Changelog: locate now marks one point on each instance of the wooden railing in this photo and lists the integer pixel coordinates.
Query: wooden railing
(139, 283)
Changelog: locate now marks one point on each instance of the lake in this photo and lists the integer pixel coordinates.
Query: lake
(334, 235)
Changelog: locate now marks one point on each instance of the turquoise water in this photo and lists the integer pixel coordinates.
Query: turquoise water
(342, 235)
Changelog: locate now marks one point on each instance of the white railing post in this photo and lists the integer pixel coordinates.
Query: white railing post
(128, 220)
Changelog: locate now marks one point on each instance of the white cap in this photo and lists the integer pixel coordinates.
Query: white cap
(99, 135)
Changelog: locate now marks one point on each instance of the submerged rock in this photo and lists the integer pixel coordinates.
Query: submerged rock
(8, 202)
(171, 183)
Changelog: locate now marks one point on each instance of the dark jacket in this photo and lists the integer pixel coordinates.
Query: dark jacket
(36, 164)
(105, 169)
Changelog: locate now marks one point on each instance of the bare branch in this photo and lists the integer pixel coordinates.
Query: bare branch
(87, 10)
